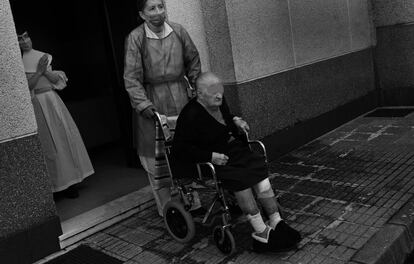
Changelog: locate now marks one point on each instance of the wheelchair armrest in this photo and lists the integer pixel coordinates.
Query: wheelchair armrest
(260, 144)
(211, 168)
(254, 142)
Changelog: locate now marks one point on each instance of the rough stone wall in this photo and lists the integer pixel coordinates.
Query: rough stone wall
(26, 202)
(16, 111)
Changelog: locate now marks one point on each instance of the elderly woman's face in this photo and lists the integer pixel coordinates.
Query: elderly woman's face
(25, 42)
(154, 12)
(212, 95)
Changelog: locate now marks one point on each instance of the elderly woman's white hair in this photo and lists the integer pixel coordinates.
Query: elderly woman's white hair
(206, 79)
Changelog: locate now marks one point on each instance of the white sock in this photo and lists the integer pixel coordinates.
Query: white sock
(259, 226)
(274, 219)
(257, 222)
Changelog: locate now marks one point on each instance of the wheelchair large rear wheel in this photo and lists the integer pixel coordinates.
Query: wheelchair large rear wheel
(179, 222)
(224, 240)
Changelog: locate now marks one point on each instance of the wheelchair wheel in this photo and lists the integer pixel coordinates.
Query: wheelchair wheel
(224, 240)
(179, 222)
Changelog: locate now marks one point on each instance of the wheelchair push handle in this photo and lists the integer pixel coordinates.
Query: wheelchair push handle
(162, 122)
(157, 117)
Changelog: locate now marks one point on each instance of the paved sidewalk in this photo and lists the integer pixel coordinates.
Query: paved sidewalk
(349, 193)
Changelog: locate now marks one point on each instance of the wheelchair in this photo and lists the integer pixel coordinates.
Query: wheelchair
(177, 217)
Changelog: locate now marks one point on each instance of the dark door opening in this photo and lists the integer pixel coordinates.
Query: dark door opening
(86, 39)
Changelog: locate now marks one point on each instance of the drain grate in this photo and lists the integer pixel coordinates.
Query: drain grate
(84, 255)
(390, 112)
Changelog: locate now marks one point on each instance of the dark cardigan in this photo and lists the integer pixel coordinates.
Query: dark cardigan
(198, 134)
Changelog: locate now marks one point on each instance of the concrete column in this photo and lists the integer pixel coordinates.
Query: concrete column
(207, 23)
(29, 226)
(189, 14)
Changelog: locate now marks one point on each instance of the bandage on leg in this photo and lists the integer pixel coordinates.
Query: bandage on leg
(267, 199)
(264, 189)
(246, 201)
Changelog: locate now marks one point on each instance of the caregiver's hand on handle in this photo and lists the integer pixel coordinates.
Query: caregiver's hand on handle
(149, 112)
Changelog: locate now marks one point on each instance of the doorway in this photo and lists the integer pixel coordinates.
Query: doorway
(86, 39)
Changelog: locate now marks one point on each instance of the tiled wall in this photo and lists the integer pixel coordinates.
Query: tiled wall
(320, 29)
(244, 40)
(271, 36)
(261, 37)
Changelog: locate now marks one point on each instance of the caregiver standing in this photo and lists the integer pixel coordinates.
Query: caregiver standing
(161, 61)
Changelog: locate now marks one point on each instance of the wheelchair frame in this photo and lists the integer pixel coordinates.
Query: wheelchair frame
(221, 234)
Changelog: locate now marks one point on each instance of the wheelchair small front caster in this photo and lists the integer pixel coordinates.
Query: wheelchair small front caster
(224, 240)
(179, 222)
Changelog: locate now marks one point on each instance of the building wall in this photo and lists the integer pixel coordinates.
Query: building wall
(279, 71)
(394, 55)
(268, 36)
(283, 100)
(29, 226)
(261, 37)
(272, 56)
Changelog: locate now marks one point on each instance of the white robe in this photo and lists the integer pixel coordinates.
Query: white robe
(65, 154)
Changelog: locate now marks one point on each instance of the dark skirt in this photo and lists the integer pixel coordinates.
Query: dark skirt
(244, 168)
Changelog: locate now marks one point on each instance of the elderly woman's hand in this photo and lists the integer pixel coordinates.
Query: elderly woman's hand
(241, 124)
(219, 159)
(42, 64)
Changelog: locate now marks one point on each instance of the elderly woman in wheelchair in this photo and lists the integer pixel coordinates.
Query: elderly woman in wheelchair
(207, 134)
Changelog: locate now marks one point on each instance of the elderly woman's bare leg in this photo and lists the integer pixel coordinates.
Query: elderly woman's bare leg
(248, 205)
(267, 199)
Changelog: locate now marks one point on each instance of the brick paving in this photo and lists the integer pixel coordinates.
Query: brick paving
(338, 191)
